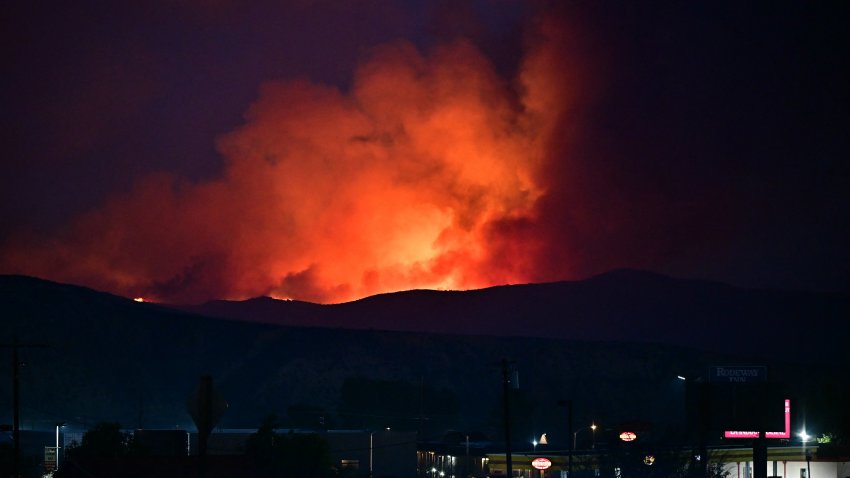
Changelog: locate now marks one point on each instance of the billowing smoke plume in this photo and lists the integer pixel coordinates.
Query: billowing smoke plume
(539, 141)
(427, 173)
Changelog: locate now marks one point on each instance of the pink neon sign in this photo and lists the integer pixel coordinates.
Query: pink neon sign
(785, 434)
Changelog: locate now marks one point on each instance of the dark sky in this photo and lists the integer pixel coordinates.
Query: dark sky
(323, 150)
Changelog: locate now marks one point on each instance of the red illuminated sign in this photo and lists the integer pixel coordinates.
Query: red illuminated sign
(628, 436)
(750, 434)
(541, 463)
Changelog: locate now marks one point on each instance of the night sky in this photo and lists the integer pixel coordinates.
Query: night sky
(183, 150)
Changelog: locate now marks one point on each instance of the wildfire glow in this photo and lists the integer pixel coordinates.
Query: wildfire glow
(425, 174)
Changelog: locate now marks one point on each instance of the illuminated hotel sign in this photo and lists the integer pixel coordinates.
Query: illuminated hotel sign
(738, 374)
(628, 436)
(541, 463)
(785, 434)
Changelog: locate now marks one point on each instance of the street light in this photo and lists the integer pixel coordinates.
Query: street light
(593, 439)
(804, 436)
(592, 428)
(543, 441)
(58, 426)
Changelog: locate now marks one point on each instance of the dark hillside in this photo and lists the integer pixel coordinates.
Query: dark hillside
(624, 305)
(109, 358)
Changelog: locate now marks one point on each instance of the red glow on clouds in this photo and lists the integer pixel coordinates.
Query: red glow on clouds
(428, 173)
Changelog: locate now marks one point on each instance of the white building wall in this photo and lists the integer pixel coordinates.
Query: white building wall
(819, 469)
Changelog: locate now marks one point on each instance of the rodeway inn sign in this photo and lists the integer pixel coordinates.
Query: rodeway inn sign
(736, 374)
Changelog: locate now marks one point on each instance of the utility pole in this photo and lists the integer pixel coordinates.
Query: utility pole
(421, 407)
(569, 405)
(506, 389)
(16, 407)
(468, 468)
(16, 402)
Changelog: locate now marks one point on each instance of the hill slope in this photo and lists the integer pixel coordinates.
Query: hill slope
(109, 358)
(623, 305)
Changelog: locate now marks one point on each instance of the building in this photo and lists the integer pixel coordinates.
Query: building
(369, 453)
(457, 454)
(784, 462)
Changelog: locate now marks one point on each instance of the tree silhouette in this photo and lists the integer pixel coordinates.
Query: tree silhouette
(105, 440)
(292, 454)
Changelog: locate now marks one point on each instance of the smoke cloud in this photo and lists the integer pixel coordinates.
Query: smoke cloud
(427, 173)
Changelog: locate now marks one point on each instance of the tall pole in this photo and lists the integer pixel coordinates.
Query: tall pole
(468, 467)
(507, 417)
(808, 464)
(570, 426)
(593, 439)
(760, 456)
(704, 416)
(16, 402)
(57, 445)
(570, 434)
(421, 407)
(16, 407)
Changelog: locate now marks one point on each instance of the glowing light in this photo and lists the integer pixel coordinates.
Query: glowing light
(628, 436)
(649, 460)
(541, 463)
(139, 299)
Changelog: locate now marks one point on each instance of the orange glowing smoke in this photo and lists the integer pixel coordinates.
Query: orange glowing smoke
(420, 176)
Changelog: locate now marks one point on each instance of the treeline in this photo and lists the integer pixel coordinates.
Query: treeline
(107, 451)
